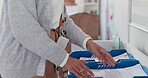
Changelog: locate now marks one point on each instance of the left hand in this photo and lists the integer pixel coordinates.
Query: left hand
(100, 53)
(78, 68)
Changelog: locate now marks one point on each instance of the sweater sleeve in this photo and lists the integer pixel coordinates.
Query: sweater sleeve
(75, 34)
(28, 32)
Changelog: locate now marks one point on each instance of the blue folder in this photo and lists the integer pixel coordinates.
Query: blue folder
(113, 53)
(140, 77)
(121, 63)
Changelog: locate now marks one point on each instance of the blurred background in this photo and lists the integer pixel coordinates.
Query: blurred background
(95, 17)
(112, 19)
(107, 19)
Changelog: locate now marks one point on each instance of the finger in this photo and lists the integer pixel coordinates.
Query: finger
(88, 71)
(103, 62)
(108, 58)
(85, 62)
(79, 71)
(109, 62)
(102, 59)
(75, 73)
(103, 56)
(106, 54)
(111, 58)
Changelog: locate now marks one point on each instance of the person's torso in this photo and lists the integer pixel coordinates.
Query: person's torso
(11, 51)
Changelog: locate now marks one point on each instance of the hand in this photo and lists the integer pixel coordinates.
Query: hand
(78, 68)
(100, 53)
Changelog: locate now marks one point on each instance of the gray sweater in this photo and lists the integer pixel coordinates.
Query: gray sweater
(24, 37)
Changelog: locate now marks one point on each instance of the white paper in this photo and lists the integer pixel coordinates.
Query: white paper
(122, 56)
(129, 72)
(84, 58)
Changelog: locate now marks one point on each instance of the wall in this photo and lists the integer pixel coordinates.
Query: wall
(78, 8)
(81, 7)
(122, 18)
(134, 31)
(139, 25)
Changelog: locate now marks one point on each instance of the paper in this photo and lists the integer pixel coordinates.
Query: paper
(84, 58)
(122, 56)
(129, 72)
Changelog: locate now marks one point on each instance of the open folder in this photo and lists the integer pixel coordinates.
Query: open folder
(124, 68)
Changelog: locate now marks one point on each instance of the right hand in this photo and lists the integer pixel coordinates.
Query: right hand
(78, 68)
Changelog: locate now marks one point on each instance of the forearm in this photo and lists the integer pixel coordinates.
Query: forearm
(74, 33)
(91, 45)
